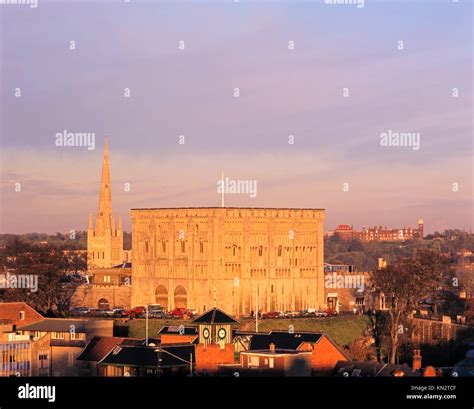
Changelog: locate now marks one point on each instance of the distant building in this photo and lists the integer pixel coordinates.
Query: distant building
(283, 362)
(109, 266)
(380, 233)
(113, 356)
(298, 353)
(15, 351)
(57, 342)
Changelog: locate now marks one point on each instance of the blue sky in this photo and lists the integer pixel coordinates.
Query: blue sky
(190, 92)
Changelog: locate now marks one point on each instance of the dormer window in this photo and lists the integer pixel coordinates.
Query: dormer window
(22, 315)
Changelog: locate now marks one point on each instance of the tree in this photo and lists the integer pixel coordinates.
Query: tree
(49, 265)
(404, 283)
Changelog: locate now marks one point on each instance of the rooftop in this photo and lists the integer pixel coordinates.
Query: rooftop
(56, 325)
(214, 316)
(226, 207)
(10, 311)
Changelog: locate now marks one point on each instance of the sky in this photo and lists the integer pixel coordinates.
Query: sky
(334, 77)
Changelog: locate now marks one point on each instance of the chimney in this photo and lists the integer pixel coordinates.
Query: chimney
(272, 348)
(416, 360)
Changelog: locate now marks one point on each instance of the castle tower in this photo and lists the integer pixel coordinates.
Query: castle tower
(421, 229)
(104, 242)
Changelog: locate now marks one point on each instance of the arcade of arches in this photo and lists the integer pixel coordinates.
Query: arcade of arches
(180, 297)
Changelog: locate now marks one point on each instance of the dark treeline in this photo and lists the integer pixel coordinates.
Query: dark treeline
(76, 240)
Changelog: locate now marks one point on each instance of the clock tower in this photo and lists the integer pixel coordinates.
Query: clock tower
(215, 344)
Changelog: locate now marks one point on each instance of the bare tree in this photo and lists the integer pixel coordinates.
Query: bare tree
(404, 284)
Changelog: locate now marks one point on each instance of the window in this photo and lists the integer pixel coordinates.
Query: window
(77, 336)
(22, 315)
(71, 359)
(254, 361)
(270, 363)
(106, 279)
(234, 247)
(43, 357)
(360, 301)
(279, 251)
(57, 335)
(260, 251)
(201, 246)
(183, 246)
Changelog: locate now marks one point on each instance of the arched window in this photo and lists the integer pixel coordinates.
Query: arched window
(234, 249)
(163, 245)
(183, 246)
(279, 251)
(260, 251)
(201, 246)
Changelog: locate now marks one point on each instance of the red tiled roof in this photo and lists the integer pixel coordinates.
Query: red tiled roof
(98, 347)
(344, 227)
(11, 311)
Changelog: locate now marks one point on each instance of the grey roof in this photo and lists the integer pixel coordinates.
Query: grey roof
(214, 316)
(56, 325)
(282, 339)
(174, 329)
(369, 369)
(151, 357)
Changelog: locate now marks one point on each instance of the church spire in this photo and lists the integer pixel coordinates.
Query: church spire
(105, 199)
(104, 245)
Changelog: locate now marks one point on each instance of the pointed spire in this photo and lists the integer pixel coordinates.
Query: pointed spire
(105, 198)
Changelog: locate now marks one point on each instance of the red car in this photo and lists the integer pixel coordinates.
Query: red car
(134, 312)
(181, 313)
(330, 312)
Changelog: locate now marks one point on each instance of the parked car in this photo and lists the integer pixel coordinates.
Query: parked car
(331, 312)
(94, 311)
(106, 312)
(180, 313)
(289, 314)
(270, 315)
(80, 311)
(135, 312)
(118, 312)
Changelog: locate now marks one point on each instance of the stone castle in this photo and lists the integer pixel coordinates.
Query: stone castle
(241, 260)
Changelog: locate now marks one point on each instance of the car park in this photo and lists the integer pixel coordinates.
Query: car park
(271, 315)
(80, 311)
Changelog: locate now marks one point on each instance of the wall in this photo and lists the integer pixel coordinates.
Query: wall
(228, 253)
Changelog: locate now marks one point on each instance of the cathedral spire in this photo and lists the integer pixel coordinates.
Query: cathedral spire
(105, 199)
